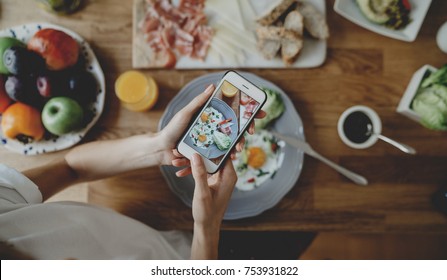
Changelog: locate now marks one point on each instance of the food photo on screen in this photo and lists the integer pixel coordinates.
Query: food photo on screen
(219, 124)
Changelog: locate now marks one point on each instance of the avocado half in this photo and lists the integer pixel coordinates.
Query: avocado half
(373, 10)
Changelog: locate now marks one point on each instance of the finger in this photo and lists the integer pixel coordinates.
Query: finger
(260, 115)
(251, 128)
(179, 162)
(228, 172)
(198, 101)
(200, 176)
(233, 155)
(239, 148)
(240, 144)
(183, 172)
(176, 153)
(228, 180)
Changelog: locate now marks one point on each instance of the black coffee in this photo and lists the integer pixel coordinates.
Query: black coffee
(355, 127)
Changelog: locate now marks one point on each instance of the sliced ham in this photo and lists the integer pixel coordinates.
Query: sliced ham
(202, 41)
(168, 35)
(150, 24)
(154, 40)
(165, 12)
(245, 99)
(184, 42)
(191, 6)
(226, 129)
(181, 28)
(194, 22)
(250, 108)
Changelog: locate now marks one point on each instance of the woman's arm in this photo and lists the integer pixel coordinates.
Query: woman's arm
(98, 160)
(211, 196)
(102, 159)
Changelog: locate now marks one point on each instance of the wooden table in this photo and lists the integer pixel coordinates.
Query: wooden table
(361, 68)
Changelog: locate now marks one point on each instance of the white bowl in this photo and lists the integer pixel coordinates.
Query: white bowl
(404, 106)
(441, 37)
(376, 124)
(350, 10)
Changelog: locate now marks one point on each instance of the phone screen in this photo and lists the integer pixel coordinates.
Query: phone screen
(221, 122)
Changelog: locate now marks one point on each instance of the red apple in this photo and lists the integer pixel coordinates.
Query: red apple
(58, 48)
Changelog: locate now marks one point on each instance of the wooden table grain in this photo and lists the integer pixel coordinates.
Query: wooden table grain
(361, 68)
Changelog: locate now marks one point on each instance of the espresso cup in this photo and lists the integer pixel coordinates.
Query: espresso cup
(353, 127)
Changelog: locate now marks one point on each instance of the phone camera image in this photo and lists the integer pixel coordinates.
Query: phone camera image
(221, 122)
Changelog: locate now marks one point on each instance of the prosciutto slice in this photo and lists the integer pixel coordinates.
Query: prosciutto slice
(181, 28)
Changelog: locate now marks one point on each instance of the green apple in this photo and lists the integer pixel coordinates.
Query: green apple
(62, 115)
(5, 43)
(60, 6)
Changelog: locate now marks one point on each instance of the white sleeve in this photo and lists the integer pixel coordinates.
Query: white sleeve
(16, 188)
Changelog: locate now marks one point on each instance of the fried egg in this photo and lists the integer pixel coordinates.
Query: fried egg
(258, 161)
(202, 132)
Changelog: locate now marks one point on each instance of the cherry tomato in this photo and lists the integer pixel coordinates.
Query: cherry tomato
(274, 147)
(406, 4)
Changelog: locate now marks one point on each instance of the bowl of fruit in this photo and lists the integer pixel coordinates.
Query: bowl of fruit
(52, 88)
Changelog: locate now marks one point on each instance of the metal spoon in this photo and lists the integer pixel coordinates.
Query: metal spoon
(403, 147)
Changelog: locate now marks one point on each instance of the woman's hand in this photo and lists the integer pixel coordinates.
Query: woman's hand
(170, 135)
(211, 196)
(177, 126)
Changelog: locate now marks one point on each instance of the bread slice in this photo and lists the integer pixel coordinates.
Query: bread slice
(269, 48)
(274, 14)
(314, 21)
(272, 38)
(290, 49)
(275, 33)
(294, 21)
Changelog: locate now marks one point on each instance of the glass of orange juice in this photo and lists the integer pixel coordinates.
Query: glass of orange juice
(136, 91)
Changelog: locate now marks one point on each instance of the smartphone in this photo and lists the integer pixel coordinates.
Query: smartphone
(222, 121)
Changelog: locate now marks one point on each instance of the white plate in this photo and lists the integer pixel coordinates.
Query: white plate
(350, 10)
(243, 204)
(313, 53)
(24, 33)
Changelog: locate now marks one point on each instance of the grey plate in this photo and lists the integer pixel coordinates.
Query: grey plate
(249, 203)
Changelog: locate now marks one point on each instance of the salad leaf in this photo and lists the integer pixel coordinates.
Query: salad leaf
(438, 77)
(430, 102)
(441, 91)
(223, 141)
(274, 107)
(431, 105)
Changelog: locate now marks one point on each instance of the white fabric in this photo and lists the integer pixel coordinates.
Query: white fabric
(61, 230)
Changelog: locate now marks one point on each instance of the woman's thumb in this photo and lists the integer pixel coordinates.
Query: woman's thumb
(199, 172)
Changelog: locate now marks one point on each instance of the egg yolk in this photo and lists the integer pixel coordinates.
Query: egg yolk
(256, 157)
(204, 117)
(202, 138)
